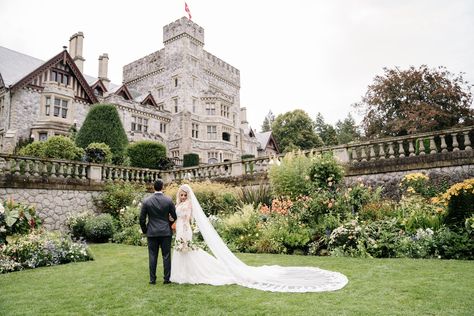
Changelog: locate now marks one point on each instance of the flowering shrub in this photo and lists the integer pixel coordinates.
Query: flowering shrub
(415, 183)
(128, 231)
(16, 218)
(414, 212)
(215, 198)
(77, 223)
(325, 172)
(290, 177)
(241, 230)
(346, 239)
(459, 199)
(118, 196)
(41, 249)
(99, 228)
(284, 233)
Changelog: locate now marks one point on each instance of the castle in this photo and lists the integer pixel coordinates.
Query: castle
(181, 95)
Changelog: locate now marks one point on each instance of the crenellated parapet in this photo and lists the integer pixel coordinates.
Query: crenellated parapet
(183, 28)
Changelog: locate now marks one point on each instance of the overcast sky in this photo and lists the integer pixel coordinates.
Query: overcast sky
(318, 56)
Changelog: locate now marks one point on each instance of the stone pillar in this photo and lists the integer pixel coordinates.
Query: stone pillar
(94, 173)
(341, 154)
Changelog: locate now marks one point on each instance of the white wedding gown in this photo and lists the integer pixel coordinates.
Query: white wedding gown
(199, 267)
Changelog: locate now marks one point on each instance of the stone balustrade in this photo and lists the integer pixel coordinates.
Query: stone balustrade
(412, 145)
(457, 142)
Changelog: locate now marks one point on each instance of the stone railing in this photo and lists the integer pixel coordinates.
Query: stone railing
(412, 145)
(359, 158)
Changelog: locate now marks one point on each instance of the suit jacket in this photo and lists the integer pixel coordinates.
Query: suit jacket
(157, 209)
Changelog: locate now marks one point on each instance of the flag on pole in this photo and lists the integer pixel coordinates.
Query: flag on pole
(186, 8)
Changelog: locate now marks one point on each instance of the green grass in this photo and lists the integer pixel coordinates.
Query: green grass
(116, 283)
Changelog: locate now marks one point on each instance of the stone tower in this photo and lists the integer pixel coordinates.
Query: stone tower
(201, 91)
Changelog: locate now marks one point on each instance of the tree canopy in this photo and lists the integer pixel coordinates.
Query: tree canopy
(295, 130)
(401, 102)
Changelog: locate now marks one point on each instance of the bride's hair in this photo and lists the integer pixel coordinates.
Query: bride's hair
(184, 188)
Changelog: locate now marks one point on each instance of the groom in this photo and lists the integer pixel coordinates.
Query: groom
(158, 208)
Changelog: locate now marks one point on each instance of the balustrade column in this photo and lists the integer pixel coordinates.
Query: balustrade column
(455, 142)
(411, 149)
(372, 152)
(422, 146)
(381, 151)
(391, 151)
(354, 154)
(443, 144)
(467, 141)
(363, 155)
(433, 149)
(401, 150)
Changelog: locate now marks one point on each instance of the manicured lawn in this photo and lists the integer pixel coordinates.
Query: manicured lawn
(116, 283)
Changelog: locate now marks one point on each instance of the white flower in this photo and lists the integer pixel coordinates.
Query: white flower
(2, 209)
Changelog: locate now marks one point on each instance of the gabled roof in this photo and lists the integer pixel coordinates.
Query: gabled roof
(14, 65)
(66, 59)
(123, 92)
(149, 100)
(99, 84)
(265, 139)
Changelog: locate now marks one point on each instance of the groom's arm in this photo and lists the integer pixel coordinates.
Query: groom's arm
(173, 211)
(143, 215)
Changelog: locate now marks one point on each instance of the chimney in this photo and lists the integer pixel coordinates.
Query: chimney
(75, 49)
(103, 69)
(243, 117)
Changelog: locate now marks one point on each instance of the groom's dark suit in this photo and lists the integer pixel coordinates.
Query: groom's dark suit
(157, 208)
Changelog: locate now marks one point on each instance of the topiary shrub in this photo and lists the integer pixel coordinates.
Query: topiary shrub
(62, 147)
(190, 160)
(99, 228)
(146, 154)
(98, 153)
(103, 125)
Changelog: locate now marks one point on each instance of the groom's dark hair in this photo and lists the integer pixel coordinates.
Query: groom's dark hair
(158, 185)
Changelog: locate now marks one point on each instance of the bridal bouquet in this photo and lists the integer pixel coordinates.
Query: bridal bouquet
(184, 245)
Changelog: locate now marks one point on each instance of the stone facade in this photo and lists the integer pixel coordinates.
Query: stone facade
(53, 206)
(181, 95)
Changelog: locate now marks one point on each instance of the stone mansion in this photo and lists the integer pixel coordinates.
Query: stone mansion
(180, 95)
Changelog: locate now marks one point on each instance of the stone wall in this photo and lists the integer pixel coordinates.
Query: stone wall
(444, 176)
(53, 205)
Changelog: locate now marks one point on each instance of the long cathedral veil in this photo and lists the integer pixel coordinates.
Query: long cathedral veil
(267, 278)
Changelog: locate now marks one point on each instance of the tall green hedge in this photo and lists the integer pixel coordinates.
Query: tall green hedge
(146, 154)
(190, 160)
(103, 125)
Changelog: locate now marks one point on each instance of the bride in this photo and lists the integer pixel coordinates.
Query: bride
(193, 265)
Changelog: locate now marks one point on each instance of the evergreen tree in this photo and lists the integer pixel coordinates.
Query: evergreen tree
(103, 125)
(326, 132)
(347, 130)
(267, 122)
